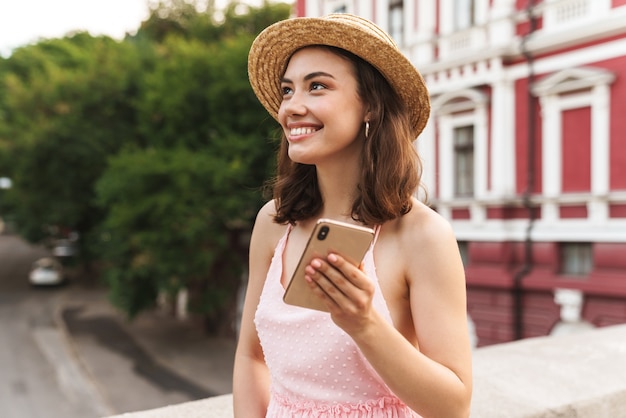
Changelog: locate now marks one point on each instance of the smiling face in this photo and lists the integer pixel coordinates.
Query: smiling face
(321, 114)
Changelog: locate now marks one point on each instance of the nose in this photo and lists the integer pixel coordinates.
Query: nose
(294, 105)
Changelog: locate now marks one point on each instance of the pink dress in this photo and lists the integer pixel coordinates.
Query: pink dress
(317, 371)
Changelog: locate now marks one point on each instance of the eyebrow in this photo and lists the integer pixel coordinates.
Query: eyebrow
(310, 76)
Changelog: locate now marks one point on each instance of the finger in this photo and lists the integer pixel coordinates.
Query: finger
(349, 272)
(340, 288)
(328, 280)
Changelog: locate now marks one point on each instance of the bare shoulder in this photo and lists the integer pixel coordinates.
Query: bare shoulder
(429, 247)
(266, 232)
(265, 216)
(422, 226)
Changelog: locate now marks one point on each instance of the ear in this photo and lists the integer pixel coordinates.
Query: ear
(367, 117)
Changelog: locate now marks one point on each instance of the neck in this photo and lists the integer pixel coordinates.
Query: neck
(338, 187)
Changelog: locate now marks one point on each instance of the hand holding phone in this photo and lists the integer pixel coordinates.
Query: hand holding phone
(328, 236)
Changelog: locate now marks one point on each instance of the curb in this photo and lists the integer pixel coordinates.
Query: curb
(102, 402)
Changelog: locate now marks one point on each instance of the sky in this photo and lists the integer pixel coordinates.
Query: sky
(26, 21)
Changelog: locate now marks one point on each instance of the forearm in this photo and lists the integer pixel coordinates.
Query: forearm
(250, 387)
(429, 388)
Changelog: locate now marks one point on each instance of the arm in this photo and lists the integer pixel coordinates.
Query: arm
(250, 374)
(438, 383)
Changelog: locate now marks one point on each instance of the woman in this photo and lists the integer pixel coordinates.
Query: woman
(395, 343)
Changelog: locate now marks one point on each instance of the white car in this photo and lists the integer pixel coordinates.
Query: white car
(46, 272)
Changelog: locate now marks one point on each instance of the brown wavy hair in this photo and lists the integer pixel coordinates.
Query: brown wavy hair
(390, 167)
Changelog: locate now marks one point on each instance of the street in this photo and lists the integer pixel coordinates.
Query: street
(67, 353)
(39, 376)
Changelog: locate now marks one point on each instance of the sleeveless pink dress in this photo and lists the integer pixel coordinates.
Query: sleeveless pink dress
(317, 371)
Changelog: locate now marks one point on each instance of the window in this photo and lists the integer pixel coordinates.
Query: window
(464, 161)
(576, 258)
(463, 14)
(566, 97)
(396, 27)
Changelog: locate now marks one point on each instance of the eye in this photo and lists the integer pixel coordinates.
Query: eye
(317, 86)
(286, 90)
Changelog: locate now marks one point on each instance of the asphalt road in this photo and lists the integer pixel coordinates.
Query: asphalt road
(39, 376)
(65, 352)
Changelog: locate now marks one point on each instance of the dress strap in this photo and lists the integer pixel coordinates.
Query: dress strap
(376, 232)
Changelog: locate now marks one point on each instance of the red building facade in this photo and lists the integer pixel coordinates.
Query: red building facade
(525, 151)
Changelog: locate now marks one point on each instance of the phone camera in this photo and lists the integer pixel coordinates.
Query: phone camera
(323, 233)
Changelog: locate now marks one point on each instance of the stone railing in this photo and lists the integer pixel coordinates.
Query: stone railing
(579, 375)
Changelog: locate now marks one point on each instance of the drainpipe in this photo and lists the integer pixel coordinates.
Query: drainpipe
(518, 310)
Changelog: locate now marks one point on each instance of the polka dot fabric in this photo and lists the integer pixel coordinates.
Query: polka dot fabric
(317, 370)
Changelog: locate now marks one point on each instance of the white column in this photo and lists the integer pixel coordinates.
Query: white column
(551, 156)
(600, 154)
(502, 139)
(446, 159)
(426, 149)
(382, 14)
(481, 11)
(600, 121)
(446, 15)
(501, 23)
(419, 41)
(481, 161)
(446, 169)
(364, 8)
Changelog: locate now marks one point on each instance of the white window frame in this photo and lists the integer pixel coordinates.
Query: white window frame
(451, 112)
(594, 87)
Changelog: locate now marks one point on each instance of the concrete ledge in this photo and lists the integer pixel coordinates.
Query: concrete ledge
(579, 375)
(216, 407)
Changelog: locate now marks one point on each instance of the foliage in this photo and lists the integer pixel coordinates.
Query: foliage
(67, 105)
(153, 149)
(187, 19)
(165, 222)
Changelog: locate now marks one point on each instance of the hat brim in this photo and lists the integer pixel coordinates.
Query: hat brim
(273, 48)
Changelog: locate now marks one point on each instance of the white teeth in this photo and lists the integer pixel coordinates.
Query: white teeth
(301, 131)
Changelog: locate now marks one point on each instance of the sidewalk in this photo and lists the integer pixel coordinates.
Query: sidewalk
(151, 362)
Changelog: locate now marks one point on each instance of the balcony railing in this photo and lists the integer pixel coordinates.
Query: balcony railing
(573, 375)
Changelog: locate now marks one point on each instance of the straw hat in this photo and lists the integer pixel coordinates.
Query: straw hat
(272, 49)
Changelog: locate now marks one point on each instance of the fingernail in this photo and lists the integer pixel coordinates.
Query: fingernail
(332, 258)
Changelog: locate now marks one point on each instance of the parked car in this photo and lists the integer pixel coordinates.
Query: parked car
(46, 271)
(64, 247)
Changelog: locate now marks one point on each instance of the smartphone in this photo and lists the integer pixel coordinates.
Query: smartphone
(348, 240)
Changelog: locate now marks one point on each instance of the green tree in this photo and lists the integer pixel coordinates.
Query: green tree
(180, 208)
(191, 20)
(67, 105)
(154, 149)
